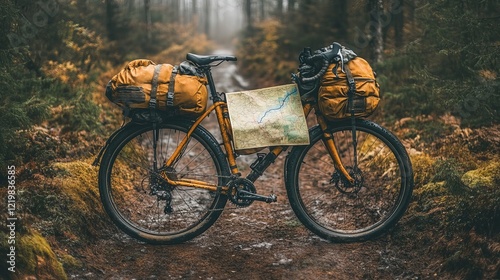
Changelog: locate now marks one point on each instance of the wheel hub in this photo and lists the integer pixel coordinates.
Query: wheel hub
(344, 185)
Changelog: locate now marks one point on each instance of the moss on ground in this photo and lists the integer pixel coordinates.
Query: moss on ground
(36, 258)
(84, 216)
(487, 175)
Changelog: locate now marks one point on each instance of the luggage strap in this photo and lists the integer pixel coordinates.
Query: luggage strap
(171, 88)
(352, 89)
(350, 79)
(154, 87)
(350, 102)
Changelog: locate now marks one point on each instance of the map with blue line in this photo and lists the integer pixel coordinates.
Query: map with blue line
(267, 117)
(281, 102)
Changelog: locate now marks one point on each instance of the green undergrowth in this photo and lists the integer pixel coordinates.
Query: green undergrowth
(454, 214)
(59, 214)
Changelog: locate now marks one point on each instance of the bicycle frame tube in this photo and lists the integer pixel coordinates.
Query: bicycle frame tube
(217, 106)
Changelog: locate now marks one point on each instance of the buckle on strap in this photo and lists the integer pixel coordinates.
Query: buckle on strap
(152, 103)
(170, 98)
(350, 78)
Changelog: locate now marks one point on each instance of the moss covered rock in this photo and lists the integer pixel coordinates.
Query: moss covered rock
(36, 258)
(488, 175)
(84, 213)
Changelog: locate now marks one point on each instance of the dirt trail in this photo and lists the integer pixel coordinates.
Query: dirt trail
(263, 241)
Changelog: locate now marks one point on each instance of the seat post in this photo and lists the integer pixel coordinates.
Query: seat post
(211, 84)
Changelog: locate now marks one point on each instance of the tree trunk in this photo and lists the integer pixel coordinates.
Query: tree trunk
(279, 9)
(248, 13)
(262, 10)
(176, 11)
(111, 16)
(147, 10)
(207, 16)
(339, 22)
(291, 5)
(195, 15)
(399, 25)
(376, 9)
(343, 19)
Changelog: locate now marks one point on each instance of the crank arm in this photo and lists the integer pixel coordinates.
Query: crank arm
(253, 196)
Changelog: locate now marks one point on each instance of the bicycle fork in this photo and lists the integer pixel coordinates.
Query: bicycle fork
(332, 150)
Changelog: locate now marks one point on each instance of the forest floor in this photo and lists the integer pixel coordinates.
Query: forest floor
(263, 241)
(266, 241)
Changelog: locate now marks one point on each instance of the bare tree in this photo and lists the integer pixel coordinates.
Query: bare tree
(376, 8)
(207, 16)
(399, 25)
(111, 19)
(248, 13)
(147, 13)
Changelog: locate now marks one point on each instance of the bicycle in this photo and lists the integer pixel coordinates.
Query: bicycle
(167, 181)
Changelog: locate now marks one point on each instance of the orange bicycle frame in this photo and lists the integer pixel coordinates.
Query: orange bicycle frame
(219, 107)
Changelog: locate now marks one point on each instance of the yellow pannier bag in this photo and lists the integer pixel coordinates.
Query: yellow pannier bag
(333, 95)
(144, 84)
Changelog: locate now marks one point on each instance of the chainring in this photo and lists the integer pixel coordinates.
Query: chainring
(234, 191)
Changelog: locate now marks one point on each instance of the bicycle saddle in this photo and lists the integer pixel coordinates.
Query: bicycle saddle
(207, 59)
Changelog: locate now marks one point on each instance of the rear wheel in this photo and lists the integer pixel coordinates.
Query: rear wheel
(333, 208)
(141, 203)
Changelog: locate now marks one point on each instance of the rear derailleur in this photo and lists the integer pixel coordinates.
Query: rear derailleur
(161, 189)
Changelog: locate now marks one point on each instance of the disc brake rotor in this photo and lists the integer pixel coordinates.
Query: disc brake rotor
(343, 185)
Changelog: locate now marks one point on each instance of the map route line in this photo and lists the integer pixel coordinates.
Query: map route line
(287, 96)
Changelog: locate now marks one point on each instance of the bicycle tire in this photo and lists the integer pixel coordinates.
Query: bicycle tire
(135, 197)
(335, 210)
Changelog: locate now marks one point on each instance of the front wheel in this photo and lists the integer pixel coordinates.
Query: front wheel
(333, 208)
(137, 198)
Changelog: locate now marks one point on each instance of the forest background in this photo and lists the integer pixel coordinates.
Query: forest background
(437, 62)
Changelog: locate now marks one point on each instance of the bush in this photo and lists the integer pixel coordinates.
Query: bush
(21, 109)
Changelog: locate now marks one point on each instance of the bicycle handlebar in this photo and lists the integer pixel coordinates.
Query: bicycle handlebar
(321, 72)
(326, 55)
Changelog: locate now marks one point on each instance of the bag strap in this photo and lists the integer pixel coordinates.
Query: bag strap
(352, 89)
(154, 87)
(350, 104)
(350, 79)
(171, 88)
